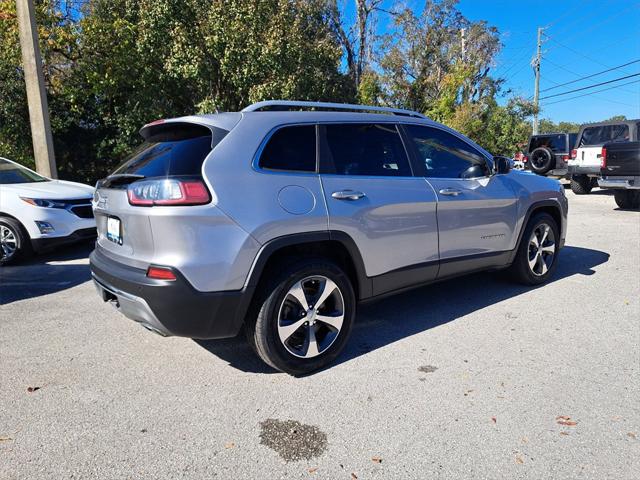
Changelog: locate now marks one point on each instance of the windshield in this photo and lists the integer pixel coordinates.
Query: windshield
(11, 173)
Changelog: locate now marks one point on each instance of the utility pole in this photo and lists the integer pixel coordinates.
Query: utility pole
(36, 93)
(536, 67)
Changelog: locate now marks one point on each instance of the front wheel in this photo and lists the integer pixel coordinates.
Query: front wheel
(537, 254)
(14, 242)
(305, 317)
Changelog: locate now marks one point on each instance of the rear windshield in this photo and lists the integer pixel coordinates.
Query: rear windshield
(176, 151)
(597, 135)
(11, 173)
(557, 143)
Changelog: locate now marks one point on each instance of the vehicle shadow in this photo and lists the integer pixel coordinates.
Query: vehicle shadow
(396, 317)
(43, 275)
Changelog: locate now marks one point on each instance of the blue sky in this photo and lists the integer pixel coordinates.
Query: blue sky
(583, 37)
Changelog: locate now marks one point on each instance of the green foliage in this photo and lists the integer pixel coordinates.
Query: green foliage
(118, 64)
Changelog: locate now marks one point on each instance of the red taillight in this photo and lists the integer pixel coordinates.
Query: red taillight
(525, 159)
(574, 154)
(168, 191)
(603, 158)
(161, 273)
(565, 158)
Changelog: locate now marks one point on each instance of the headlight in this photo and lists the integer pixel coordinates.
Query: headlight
(41, 202)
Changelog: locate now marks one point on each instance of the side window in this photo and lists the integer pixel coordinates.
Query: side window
(365, 149)
(445, 155)
(291, 149)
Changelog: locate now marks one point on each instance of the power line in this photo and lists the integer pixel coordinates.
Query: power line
(591, 86)
(598, 91)
(561, 67)
(579, 53)
(588, 76)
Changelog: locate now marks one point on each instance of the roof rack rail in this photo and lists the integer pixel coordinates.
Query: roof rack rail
(279, 105)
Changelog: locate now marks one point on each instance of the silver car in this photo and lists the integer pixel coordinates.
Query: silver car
(279, 219)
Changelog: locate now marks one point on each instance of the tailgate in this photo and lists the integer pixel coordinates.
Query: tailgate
(136, 246)
(588, 157)
(623, 159)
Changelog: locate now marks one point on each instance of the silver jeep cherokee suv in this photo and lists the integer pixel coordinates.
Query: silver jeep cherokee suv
(284, 216)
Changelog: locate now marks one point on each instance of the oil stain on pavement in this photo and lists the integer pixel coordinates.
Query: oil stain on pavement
(292, 440)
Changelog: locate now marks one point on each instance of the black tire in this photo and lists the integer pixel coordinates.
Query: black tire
(20, 239)
(262, 326)
(627, 199)
(520, 269)
(541, 160)
(581, 184)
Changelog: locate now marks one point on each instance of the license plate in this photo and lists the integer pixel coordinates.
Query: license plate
(114, 232)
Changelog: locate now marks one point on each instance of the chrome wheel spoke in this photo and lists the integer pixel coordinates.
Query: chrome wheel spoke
(543, 266)
(545, 234)
(534, 240)
(298, 293)
(311, 343)
(533, 263)
(286, 331)
(335, 322)
(550, 248)
(328, 288)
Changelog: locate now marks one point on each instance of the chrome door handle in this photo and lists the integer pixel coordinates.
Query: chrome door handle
(451, 192)
(348, 195)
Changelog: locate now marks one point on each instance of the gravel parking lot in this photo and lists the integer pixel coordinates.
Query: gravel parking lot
(471, 378)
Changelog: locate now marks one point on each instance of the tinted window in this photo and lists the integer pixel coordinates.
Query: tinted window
(291, 148)
(366, 149)
(172, 149)
(11, 173)
(597, 135)
(445, 155)
(557, 143)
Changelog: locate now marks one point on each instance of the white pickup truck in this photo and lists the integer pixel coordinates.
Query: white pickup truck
(586, 156)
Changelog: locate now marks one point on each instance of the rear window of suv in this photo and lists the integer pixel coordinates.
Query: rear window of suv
(173, 150)
(557, 143)
(599, 134)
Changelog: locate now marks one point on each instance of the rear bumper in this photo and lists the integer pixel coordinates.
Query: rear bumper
(47, 243)
(169, 307)
(579, 170)
(628, 183)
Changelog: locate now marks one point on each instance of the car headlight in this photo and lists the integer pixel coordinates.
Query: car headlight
(41, 202)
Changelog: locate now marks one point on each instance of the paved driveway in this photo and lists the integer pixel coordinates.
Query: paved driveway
(472, 378)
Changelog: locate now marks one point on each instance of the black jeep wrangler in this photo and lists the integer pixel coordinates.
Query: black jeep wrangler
(549, 153)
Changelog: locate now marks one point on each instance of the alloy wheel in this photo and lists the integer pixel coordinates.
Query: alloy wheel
(310, 317)
(542, 249)
(8, 242)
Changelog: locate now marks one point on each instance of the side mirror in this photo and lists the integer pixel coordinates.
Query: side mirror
(502, 164)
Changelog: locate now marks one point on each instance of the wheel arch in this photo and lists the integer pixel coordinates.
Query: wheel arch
(334, 245)
(551, 207)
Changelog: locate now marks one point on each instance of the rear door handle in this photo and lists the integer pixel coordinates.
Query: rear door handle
(348, 195)
(450, 192)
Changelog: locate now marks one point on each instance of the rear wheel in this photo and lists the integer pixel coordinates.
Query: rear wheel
(627, 199)
(14, 241)
(537, 254)
(581, 184)
(305, 317)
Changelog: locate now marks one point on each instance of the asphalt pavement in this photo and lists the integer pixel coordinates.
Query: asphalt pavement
(471, 378)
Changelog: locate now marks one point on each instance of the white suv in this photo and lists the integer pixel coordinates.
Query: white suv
(38, 213)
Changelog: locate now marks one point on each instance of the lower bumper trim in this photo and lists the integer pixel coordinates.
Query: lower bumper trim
(170, 308)
(49, 243)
